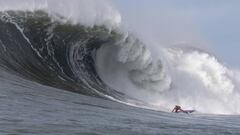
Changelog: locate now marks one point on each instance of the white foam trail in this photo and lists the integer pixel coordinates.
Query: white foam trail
(3, 46)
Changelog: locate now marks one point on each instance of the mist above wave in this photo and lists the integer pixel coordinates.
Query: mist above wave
(88, 13)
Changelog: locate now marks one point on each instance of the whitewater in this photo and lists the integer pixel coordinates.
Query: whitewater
(75, 67)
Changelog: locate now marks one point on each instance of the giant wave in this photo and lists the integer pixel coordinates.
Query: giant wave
(110, 63)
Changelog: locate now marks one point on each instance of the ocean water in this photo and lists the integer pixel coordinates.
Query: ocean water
(29, 108)
(67, 72)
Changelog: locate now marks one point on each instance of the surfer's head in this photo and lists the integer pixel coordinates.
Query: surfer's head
(177, 107)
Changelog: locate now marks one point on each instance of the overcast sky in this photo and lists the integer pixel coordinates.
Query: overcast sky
(214, 21)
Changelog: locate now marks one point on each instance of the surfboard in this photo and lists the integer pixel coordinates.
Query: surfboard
(189, 111)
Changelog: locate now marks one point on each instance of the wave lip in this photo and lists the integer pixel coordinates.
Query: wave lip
(88, 13)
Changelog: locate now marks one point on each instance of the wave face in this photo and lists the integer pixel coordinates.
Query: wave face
(112, 64)
(51, 53)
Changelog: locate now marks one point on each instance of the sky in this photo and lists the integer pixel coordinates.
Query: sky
(213, 22)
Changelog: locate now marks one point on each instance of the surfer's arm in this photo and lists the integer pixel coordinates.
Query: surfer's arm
(181, 110)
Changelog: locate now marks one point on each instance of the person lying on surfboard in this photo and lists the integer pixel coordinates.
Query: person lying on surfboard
(178, 109)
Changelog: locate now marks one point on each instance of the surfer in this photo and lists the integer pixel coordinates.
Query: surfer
(178, 109)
